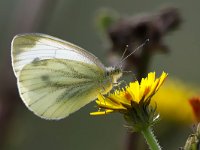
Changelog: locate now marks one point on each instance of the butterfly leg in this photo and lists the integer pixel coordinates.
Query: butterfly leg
(118, 84)
(102, 89)
(130, 73)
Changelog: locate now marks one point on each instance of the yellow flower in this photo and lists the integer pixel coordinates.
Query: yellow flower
(123, 100)
(178, 102)
(133, 102)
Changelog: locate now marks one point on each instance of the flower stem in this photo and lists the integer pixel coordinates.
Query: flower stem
(151, 139)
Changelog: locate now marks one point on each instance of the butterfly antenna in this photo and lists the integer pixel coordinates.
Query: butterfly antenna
(142, 45)
(124, 53)
(127, 71)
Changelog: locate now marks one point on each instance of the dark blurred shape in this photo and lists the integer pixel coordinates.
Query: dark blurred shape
(133, 31)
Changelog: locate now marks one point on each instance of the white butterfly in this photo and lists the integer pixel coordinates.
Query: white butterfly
(56, 78)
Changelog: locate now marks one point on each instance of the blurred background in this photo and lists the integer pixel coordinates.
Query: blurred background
(74, 21)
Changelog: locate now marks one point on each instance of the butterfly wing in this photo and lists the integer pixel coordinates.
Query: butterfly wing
(54, 84)
(27, 48)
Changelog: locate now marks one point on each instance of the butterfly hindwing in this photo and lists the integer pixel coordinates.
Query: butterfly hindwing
(54, 88)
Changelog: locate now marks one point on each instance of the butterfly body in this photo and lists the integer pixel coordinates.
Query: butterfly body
(56, 78)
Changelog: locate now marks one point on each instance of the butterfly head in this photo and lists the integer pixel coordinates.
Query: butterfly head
(114, 72)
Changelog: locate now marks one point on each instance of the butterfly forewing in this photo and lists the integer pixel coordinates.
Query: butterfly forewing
(55, 78)
(29, 47)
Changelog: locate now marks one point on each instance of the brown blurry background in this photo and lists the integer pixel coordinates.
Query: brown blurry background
(74, 21)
